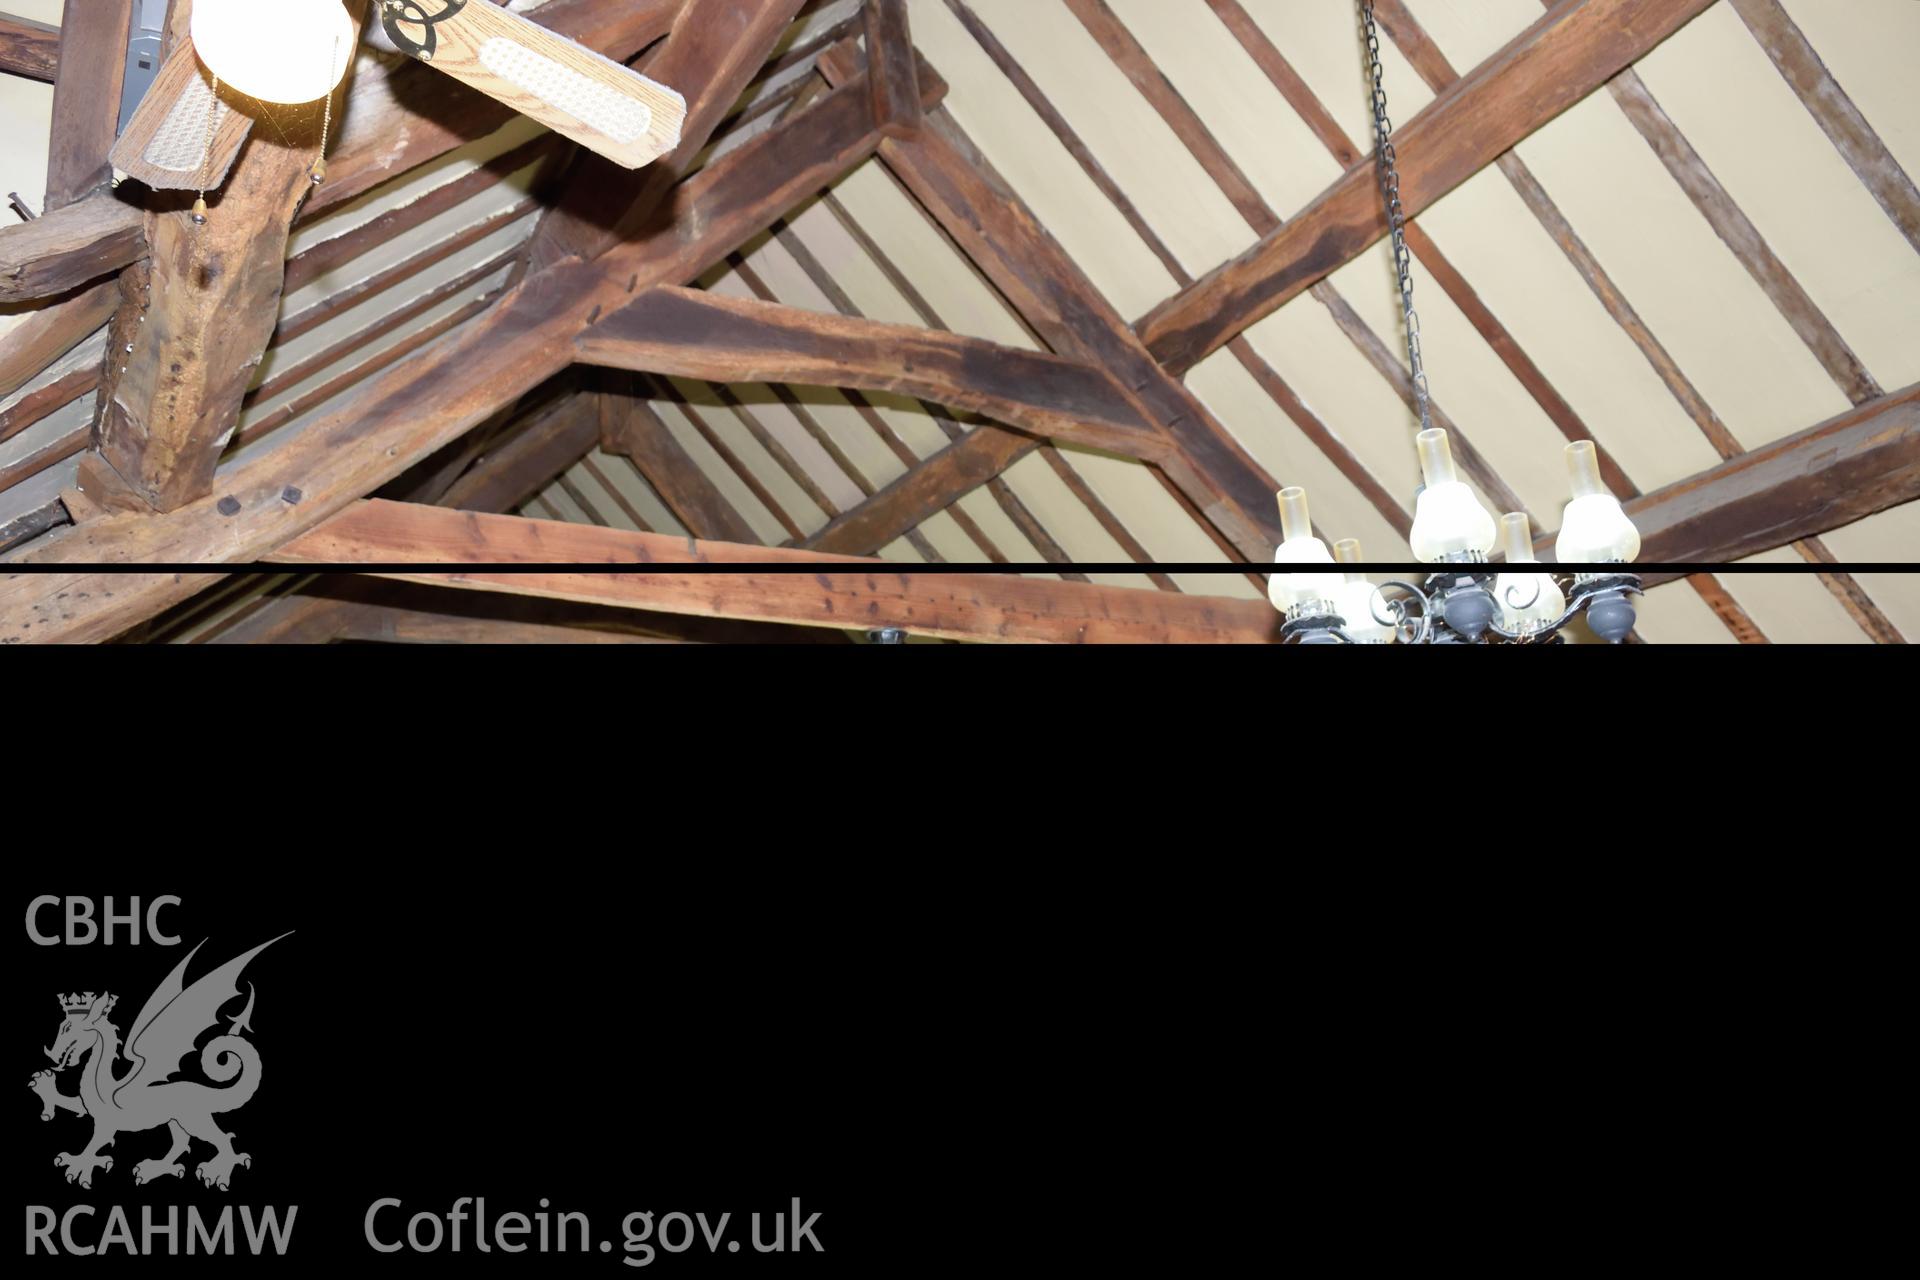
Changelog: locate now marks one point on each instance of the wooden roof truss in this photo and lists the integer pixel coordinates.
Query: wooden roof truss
(600, 305)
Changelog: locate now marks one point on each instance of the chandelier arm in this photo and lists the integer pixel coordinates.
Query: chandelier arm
(1549, 630)
(1411, 630)
(1518, 605)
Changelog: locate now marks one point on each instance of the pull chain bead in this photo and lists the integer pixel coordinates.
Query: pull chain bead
(318, 173)
(206, 157)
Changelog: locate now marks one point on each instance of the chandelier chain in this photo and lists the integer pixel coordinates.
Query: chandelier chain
(1388, 163)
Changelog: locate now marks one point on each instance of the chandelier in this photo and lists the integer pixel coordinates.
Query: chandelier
(1457, 604)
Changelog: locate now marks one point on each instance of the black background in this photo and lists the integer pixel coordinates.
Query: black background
(606, 1035)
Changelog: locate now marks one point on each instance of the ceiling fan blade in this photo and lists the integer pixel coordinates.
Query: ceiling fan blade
(592, 99)
(165, 143)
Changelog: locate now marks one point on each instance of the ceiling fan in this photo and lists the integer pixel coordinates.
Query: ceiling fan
(185, 135)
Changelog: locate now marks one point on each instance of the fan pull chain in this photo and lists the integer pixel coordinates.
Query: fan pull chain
(206, 157)
(319, 171)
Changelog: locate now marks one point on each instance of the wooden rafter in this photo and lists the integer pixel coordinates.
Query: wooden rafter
(953, 426)
(927, 489)
(999, 234)
(1132, 58)
(526, 457)
(714, 51)
(630, 427)
(692, 333)
(1293, 87)
(892, 68)
(1862, 462)
(1835, 112)
(86, 98)
(895, 505)
(49, 333)
(496, 467)
(1120, 44)
(841, 592)
(29, 48)
(353, 607)
(68, 247)
(1738, 233)
(1571, 51)
(1738, 622)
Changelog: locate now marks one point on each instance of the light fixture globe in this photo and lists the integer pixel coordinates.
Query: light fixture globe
(1595, 528)
(1529, 600)
(274, 50)
(1356, 599)
(1449, 523)
(1301, 590)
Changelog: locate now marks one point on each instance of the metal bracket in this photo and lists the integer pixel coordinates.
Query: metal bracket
(143, 57)
(395, 15)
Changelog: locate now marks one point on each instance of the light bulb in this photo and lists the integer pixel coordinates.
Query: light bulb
(1290, 591)
(275, 50)
(1595, 528)
(1354, 602)
(1528, 600)
(1448, 521)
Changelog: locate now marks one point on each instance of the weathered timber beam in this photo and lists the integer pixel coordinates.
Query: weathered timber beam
(629, 426)
(1571, 51)
(1862, 462)
(1743, 238)
(29, 48)
(410, 412)
(933, 486)
(891, 68)
(30, 524)
(842, 593)
(70, 246)
(761, 98)
(44, 456)
(211, 300)
(342, 606)
(86, 98)
(617, 28)
(1799, 62)
(52, 331)
(384, 228)
(295, 372)
(495, 467)
(995, 229)
(552, 440)
(693, 334)
(339, 303)
(42, 401)
(713, 52)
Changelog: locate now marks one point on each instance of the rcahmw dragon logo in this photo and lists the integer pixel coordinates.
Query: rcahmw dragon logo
(147, 1096)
